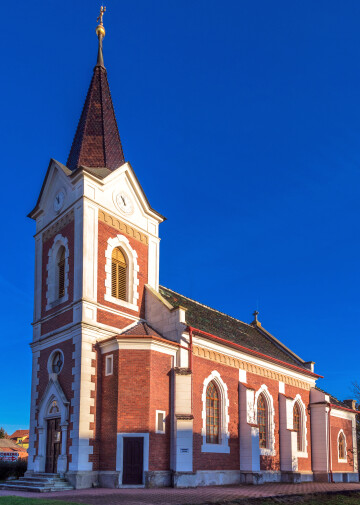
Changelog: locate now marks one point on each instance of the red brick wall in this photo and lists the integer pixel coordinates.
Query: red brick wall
(112, 319)
(57, 321)
(337, 424)
(65, 378)
(68, 232)
(108, 406)
(304, 464)
(106, 232)
(160, 383)
(209, 461)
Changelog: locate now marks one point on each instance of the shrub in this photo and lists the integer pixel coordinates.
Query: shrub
(12, 468)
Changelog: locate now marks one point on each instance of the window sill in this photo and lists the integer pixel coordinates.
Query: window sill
(57, 302)
(121, 303)
(302, 454)
(342, 460)
(216, 448)
(267, 452)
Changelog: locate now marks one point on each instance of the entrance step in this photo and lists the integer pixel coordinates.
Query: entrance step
(38, 483)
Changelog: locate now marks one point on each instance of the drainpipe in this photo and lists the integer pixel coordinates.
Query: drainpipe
(330, 455)
(190, 347)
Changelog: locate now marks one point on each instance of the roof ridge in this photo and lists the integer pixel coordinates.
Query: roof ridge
(208, 307)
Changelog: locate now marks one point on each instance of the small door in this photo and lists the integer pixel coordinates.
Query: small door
(53, 445)
(133, 456)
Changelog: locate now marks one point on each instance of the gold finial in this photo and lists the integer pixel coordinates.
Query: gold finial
(100, 30)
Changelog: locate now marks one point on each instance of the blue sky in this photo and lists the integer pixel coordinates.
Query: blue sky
(242, 122)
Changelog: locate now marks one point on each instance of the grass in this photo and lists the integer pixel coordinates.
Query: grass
(19, 500)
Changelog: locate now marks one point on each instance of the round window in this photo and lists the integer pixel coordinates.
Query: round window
(57, 362)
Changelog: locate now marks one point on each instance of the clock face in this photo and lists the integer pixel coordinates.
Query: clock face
(124, 203)
(59, 201)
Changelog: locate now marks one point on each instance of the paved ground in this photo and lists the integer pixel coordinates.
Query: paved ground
(168, 496)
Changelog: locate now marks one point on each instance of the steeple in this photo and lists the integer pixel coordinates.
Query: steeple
(97, 141)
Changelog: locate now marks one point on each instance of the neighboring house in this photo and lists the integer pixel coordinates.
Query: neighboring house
(9, 451)
(135, 384)
(21, 437)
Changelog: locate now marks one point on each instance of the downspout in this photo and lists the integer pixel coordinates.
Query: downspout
(190, 347)
(330, 455)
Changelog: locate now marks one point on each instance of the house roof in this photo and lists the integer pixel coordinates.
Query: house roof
(7, 445)
(334, 400)
(20, 433)
(233, 330)
(142, 329)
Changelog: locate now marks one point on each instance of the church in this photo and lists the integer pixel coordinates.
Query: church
(134, 384)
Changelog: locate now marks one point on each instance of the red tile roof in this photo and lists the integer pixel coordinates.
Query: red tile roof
(20, 433)
(142, 329)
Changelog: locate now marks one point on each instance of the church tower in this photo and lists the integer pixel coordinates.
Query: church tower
(96, 247)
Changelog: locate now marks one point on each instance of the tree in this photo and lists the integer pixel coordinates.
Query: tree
(3, 433)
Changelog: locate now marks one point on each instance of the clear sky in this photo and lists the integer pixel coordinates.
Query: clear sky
(242, 122)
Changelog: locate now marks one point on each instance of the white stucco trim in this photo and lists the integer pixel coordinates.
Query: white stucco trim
(223, 445)
(52, 280)
(120, 451)
(341, 460)
(109, 364)
(161, 431)
(270, 449)
(51, 357)
(132, 273)
(303, 453)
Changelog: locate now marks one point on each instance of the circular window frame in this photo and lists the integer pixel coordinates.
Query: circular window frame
(50, 362)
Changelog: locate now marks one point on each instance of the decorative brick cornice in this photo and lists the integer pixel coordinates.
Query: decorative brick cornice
(58, 226)
(249, 367)
(184, 417)
(124, 228)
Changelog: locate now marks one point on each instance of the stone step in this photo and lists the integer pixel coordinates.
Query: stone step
(38, 484)
(34, 489)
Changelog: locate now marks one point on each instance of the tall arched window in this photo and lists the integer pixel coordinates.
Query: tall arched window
(342, 450)
(61, 271)
(118, 274)
(212, 414)
(297, 425)
(262, 421)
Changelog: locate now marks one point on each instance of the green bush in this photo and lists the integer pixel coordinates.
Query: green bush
(12, 468)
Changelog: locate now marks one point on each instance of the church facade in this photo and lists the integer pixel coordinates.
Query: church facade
(134, 384)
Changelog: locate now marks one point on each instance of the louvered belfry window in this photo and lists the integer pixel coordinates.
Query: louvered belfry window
(296, 413)
(212, 414)
(61, 272)
(342, 454)
(118, 274)
(262, 421)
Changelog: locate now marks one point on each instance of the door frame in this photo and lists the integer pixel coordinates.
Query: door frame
(60, 442)
(119, 456)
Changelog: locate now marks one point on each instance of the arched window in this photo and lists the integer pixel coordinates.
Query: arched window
(262, 421)
(212, 414)
(342, 448)
(297, 425)
(61, 272)
(118, 274)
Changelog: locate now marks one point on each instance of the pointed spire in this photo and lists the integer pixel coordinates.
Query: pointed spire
(97, 141)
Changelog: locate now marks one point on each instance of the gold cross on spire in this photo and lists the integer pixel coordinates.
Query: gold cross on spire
(100, 16)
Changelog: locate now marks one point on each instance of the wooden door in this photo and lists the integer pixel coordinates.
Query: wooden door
(53, 445)
(133, 455)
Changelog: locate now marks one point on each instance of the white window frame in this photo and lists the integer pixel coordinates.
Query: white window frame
(52, 280)
(341, 460)
(303, 426)
(132, 269)
(50, 360)
(109, 359)
(270, 449)
(224, 435)
(156, 421)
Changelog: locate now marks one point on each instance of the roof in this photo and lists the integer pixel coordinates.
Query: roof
(20, 433)
(334, 400)
(7, 445)
(97, 141)
(142, 329)
(221, 325)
